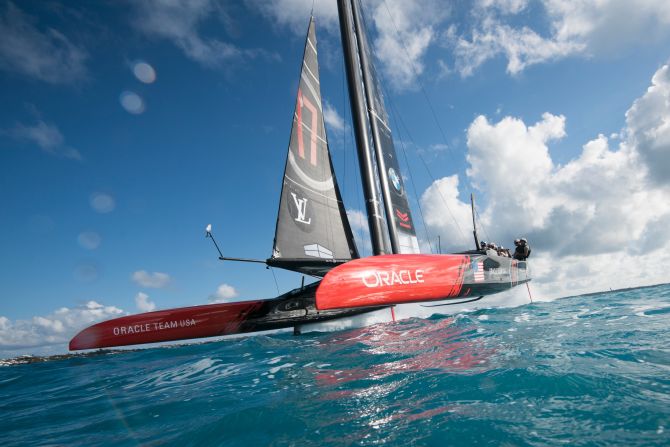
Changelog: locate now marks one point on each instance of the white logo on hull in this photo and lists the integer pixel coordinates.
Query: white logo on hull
(392, 278)
(301, 206)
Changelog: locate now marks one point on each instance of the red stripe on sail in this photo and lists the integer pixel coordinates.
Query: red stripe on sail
(166, 325)
(392, 279)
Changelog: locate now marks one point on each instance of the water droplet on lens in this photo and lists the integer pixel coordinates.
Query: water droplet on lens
(144, 72)
(132, 102)
(86, 272)
(102, 203)
(89, 240)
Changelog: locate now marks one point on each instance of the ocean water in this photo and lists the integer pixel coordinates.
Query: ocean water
(586, 370)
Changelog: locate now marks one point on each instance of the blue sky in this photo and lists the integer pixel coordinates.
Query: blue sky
(126, 128)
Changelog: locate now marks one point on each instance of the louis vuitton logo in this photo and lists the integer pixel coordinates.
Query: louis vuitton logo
(301, 206)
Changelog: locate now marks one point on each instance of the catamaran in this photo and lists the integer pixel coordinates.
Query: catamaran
(313, 235)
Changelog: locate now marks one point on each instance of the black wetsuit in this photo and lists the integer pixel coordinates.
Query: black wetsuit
(522, 252)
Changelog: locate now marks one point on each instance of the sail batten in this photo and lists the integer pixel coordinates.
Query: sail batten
(312, 225)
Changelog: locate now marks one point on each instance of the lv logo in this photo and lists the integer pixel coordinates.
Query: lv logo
(301, 206)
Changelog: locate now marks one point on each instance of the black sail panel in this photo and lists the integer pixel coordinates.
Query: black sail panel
(401, 213)
(312, 224)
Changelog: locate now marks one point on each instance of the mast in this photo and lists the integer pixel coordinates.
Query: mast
(374, 127)
(359, 118)
(474, 224)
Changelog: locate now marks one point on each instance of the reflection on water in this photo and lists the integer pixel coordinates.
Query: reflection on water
(416, 346)
(396, 365)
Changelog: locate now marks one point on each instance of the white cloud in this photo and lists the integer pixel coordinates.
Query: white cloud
(609, 25)
(46, 55)
(156, 280)
(55, 328)
(183, 22)
(295, 13)
(522, 47)
(333, 119)
(594, 222)
(576, 27)
(404, 29)
(143, 303)
(504, 6)
(358, 220)
(648, 125)
(223, 293)
(46, 136)
(446, 214)
(438, 147)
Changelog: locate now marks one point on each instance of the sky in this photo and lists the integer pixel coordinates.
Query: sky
(127, 127)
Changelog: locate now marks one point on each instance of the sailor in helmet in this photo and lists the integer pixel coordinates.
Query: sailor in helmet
(522, 249)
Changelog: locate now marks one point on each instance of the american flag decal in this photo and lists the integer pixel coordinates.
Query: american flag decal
(478, 268)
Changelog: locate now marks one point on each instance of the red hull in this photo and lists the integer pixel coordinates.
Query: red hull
(167, 325)
(392, 279)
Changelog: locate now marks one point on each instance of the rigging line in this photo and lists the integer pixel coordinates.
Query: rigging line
(411, 178)
(405, 126)
(442, 197)
(395, 114)
(481, 225)
(409, 135)
(275, 277)
(418, 80)
(460, 230)
(479, 219)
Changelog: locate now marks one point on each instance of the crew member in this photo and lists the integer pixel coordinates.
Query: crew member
(525, 243)
(522, 250)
